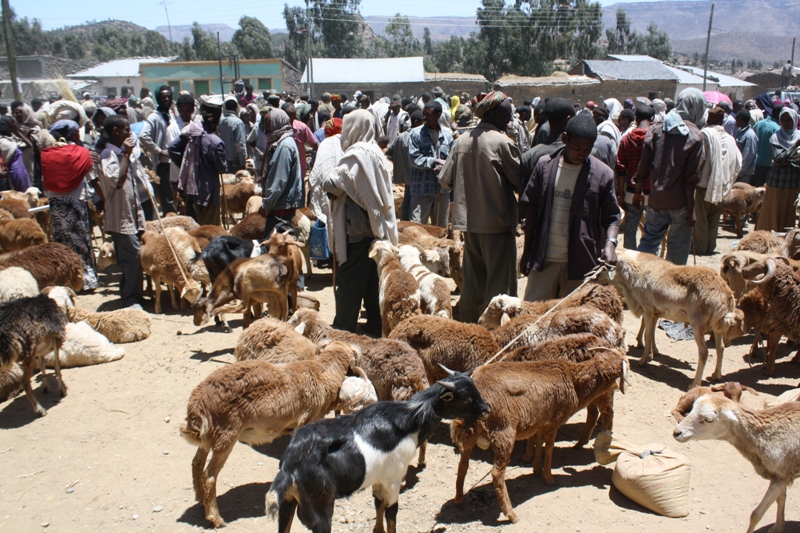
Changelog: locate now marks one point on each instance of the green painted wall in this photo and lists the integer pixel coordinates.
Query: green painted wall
(185, 74)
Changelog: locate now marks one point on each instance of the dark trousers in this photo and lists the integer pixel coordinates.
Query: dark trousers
(148, 209)
(358, 281)
(490, 269)
(128, 252)
(167, 200)
(279, 223)
(234, 167)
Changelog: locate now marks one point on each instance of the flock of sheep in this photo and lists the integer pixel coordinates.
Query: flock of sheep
(519, 374)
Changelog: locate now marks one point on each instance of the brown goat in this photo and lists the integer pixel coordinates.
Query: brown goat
(256, 402)
(527, 400)
(250, 227)
(20, 233)
(730, 389)
(50, 264)
(287, 251)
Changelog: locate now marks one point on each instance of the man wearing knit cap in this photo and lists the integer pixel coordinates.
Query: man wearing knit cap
(325, 104)
(483, 173)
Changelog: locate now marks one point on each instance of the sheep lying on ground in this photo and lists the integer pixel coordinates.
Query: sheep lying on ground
(762, 242)
(730, 389)
(16, 282)
(20, 233)
(256, 402)
(399, 291)
(767, 438)
(274, 341)
(51, 264)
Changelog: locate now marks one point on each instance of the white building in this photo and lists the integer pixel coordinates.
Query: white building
(117, 78)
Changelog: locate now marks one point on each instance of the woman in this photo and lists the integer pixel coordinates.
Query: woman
(284, 189)
(328, 155)
(455, 101)
(27, 130)
(783, 180)
(66, 168)
(257, 141)
(16, 175)
(362, 209)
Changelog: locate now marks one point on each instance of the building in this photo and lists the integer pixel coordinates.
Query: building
(405, 76)
(577, 89)
(116, 78)
(623, 79)
(41, 77)
(203, 77)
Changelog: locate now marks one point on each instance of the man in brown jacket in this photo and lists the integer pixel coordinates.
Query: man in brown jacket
(483, 173)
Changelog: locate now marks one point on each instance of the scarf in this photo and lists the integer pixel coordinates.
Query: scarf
(491, 100)
(766, 104)
(692, 107)
(28, 118)
(187, 178)
(455, 101)
(328, 155)
(782, 138)
(67, 110)
(64, 166)
(614, 108)
(333, 127)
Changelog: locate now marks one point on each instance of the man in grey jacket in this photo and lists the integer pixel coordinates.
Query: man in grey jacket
(233, 134)
(154, 141)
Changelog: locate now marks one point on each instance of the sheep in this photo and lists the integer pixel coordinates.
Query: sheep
(159, 263)
(10, 382)
(730, 270)
(730, 389)
(740, 202)
(253, 205)
(530, 399)
(791, 244)
(17, 207)
(84, 346)
(236, 197)
(434, 292)
(271, 340)
(51, 264)
(301, 226)
(205, 234)
(605, 299)
(355, 394)
(581, 319)
(20, 233)
(442, 341)
(178, 221)
(441, 255)
(287, 251)
(256, 402)
(692, 294)
(30, 196)
(32, 327)
(16, 282)
(762, 242)
(250, 227)
(253, 281)
(5, 215)
(760, 316)
(399, 291)
(105, 256)
(413, 229)
(767, 438)
(334, 458)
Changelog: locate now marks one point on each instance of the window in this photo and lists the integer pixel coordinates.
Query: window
(201, 87)
(246, 81)
(264, 84)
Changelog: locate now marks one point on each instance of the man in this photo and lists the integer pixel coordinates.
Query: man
(428, 148)
(786, 74)
(446, 118)
(606, 126)
(523, 136)
(124, 218)
(628, 156)
(764, 130)
(248, 97)
(627, 121)
(199, 173)
(336, 102)
(483, 173)
(274, 100)
(557, 113)
(729, 123)
(747, 142)
(721, 165)
(302, 136)
(568, 203)
(154, 141)
(326, 105)
(397, 153)
(671, 159)
(397, 120)
(186, 108)
(234, 135)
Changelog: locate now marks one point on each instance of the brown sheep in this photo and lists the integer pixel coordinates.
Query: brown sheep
(18, 208)
(399, 291)
(236, 196)
(269, 339)
(204, 234)
(287, 251)
(413, 229)
(730, 389)
(20, 233)
(740, 202)
(250, 227)
(159, 263)
(442, 341)
(178, 221)
(762, 242)
(531, 399)
(256, 402)
(51, 264)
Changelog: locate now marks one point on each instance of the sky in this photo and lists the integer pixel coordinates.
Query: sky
(150, 13)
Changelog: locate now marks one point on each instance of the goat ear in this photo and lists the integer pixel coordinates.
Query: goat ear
(718, 387)
(750, 390)
(300, 328)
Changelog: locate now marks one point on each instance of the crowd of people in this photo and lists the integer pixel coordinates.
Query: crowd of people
(573, 176)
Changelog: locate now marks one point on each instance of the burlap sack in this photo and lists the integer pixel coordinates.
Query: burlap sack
(657, 478)
(607, 448)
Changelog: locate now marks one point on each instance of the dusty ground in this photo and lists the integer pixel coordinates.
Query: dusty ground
(108, 457)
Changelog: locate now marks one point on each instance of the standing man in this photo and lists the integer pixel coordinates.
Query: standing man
(568, 203)
(786, 74)
(234, 135)
(200, 154)
(747, 142)
(628, 157)
(483, 173)
(124, 220)
(397, 153)
(671, 159)
(522, 134)
(764, 130)
(154, 141)
(397, 120)
(302, 136)
(428, 147)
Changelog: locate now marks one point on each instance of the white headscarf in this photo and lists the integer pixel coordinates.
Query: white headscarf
(692, 107)
(786, 138)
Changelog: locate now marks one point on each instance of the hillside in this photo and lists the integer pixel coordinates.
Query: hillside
(89, 28)
(739, 45)
(179, 32)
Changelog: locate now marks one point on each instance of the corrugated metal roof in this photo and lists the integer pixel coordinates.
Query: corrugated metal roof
(121, 68)
(629, 70)
(387, 70)
(631, 57)
(686, 78)
(720, 79)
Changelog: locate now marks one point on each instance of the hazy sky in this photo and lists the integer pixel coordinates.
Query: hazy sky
(149, 13)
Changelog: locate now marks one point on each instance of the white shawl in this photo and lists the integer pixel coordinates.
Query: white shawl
(328, 155)
(722, 165)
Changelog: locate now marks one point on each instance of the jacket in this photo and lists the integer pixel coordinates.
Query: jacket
(483, 173)
(594, 208)
(284, 187)
(628, 156)
(154, 137)
(233, 134)
(423, 180)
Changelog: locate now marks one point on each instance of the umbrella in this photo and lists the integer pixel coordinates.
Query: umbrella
(715, 97)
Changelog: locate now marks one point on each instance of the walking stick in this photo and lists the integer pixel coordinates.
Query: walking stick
(224, 202)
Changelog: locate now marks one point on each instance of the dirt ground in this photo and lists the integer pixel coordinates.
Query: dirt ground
(108, 457)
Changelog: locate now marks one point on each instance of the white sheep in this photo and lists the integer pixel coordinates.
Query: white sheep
(356, 393)
(399, 291)
(16, 282)
(84, 346)
(434, 292)
(767, 438)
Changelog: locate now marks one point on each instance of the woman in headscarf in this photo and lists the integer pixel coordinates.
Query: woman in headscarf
(67, 168)
(257, 141)
(15, 175)
(283, 187)
(362, 209)
(27, 130)
(783, 181)
(328, 155)
(455, 101)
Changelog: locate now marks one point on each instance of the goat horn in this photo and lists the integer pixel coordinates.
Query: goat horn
(769, 274)
(360, 371)
(447, 385)
(449, 372)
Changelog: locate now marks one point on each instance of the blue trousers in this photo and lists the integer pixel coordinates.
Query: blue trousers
(679, 241)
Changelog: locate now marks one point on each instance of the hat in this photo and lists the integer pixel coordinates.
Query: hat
(211, 101)
(396, 98)
(437, 91)
(716, 115)
(590, 104)
(489, 101)
(628, 104)
(358, 93)
(601, 111)
(336, 98)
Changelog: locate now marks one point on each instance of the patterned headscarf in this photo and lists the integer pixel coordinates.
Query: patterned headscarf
(490, 101)
(280, 126)
(303, 109)
(333, 127)
(116, 103)
(463, 116)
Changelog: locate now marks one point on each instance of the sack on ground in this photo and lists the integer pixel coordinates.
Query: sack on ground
(657, 478)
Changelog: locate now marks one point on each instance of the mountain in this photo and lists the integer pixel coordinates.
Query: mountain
(739, 45)
(179, 32)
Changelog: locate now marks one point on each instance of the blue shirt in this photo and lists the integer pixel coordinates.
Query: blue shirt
(764, 129)
(747, 141)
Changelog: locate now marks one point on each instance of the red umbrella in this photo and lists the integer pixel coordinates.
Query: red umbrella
(715, 97)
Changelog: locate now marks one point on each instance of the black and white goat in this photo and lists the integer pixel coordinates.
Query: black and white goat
(224, 250)
(333, 458)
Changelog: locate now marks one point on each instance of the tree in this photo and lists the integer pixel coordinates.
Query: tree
(294, 51)
(400, 39)
(252, 39)
(621, 40)
(427, 42)
(339, 26)
(75, 47)
(156, 45)
(657, 43)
